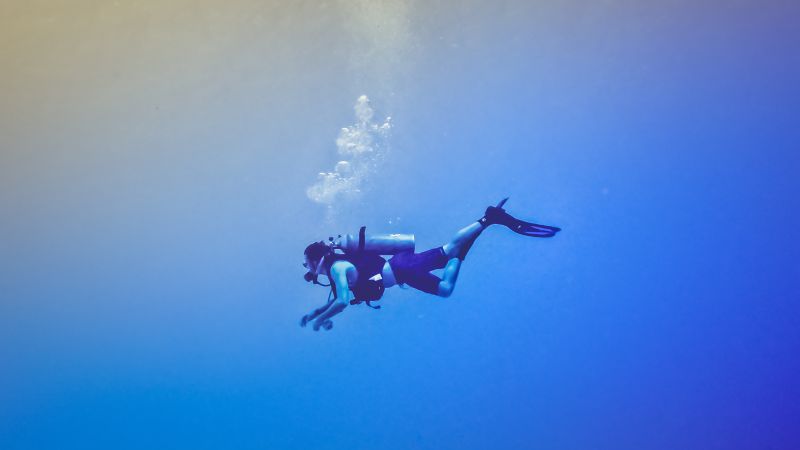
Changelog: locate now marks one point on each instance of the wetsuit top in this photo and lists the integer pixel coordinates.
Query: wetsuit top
(368, 266)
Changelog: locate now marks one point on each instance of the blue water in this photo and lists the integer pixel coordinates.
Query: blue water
(154, 211)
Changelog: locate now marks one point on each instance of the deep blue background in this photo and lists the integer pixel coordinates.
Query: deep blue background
(154, 215)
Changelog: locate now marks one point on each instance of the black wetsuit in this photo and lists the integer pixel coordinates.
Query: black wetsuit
(414, 269)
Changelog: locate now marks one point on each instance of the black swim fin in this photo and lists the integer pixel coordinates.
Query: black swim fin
(498, 215)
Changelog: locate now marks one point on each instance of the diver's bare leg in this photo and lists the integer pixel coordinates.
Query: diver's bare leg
(449, 277)
(465, 236)
(455, 251)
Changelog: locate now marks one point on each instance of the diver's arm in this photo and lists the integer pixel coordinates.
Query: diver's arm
(323, 321)
(314, 314)
(343, 296)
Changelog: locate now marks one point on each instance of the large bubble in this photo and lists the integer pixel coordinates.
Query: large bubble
(362, 147)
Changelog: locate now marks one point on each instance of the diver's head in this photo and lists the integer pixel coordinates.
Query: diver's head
(314, 255)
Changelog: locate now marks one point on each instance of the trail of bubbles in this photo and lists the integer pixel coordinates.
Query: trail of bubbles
(362, 147)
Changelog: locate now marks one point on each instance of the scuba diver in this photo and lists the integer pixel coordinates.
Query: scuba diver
(357, 272)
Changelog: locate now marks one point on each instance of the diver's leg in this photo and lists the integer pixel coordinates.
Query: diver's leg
(463, 239)
(449, 277)
(447, 257)
(424, 281)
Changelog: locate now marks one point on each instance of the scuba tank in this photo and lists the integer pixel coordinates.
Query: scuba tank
(381, 244)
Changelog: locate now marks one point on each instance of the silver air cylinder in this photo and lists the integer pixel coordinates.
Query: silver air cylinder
(382, 244)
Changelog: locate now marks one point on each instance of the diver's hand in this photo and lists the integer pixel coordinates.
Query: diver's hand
(327, 324)
(304, 320)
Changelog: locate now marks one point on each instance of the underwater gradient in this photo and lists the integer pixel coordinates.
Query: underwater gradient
(157, 169)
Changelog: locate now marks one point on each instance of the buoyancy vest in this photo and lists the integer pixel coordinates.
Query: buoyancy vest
(368, 286)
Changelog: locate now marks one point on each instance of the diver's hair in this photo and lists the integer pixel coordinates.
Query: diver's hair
(315, 251)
